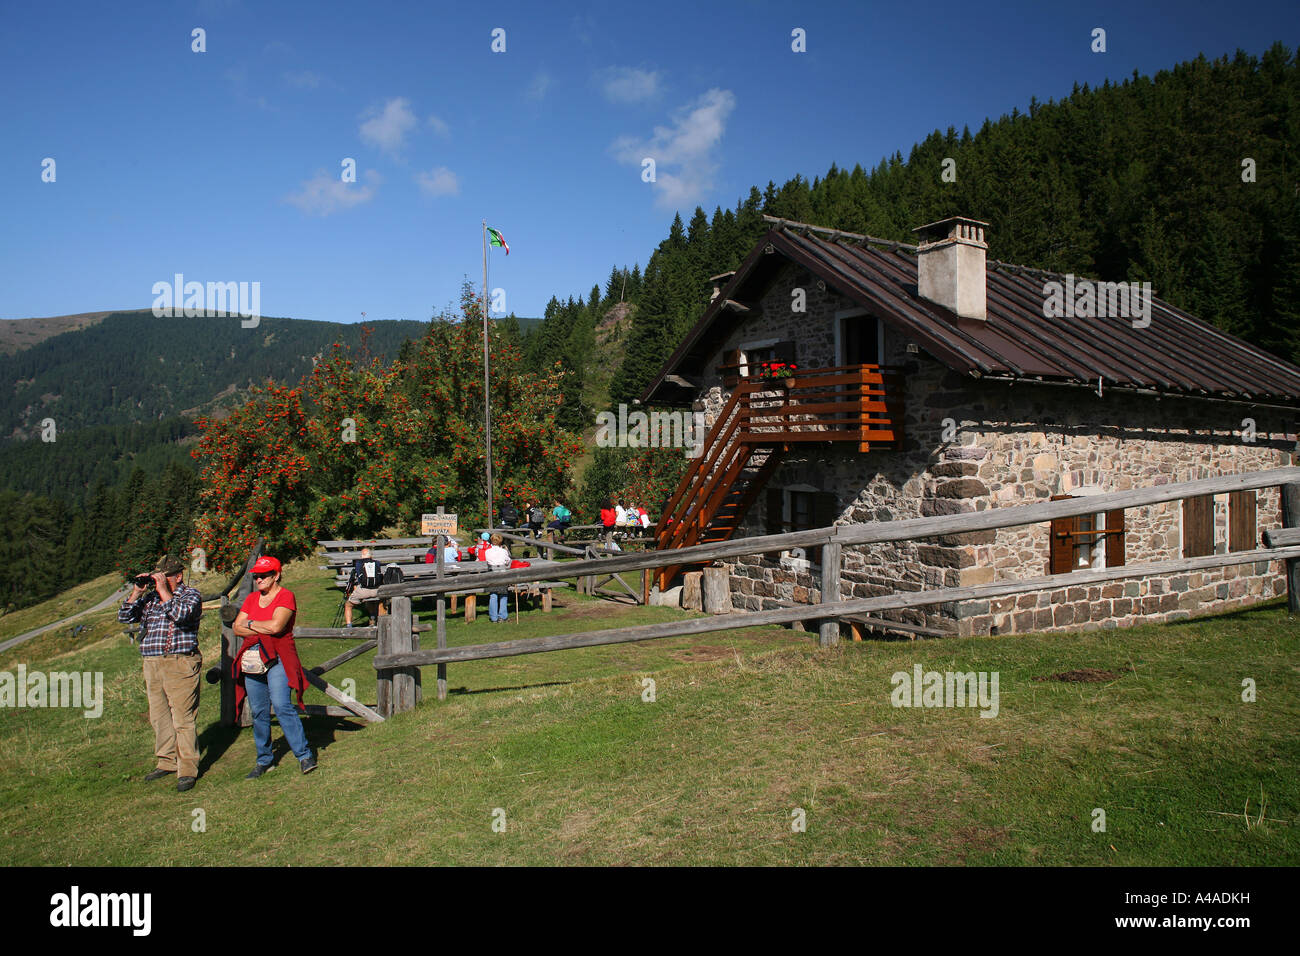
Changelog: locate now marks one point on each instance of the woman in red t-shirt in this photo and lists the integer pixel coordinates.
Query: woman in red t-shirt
(266, 665)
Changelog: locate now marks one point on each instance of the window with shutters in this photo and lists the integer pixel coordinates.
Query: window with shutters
(1218, 524)
(1088, 541)
(744, 360)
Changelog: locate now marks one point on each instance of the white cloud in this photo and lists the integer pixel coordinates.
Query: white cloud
(683, 152)
(439, 125)
(625, 84)
(439, 181)
(325, 193)
(387, 127)
(541, 83)
(303, 79)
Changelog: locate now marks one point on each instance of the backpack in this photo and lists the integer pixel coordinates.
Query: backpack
(393, 574)
(509, 513)
(366, 573)
(536, 515)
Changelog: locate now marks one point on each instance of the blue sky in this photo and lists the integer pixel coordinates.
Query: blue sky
(225, 165)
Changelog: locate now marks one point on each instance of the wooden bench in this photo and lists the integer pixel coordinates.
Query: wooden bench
(542, 589)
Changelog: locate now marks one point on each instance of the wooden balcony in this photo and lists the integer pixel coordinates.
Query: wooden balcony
(861, 404)
(764, 419)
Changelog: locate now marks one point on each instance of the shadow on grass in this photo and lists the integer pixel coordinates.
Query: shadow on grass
(497, 690)
(321, 732)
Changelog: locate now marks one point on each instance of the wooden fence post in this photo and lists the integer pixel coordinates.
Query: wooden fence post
(230, 644)
(399, 635)
(1291, 519)
(384, 678)
(717, 590)
(830, 627)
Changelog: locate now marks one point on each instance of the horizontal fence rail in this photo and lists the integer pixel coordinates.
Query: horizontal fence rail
(727, 622)
(876, 532)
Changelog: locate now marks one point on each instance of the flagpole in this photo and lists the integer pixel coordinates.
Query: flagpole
(487, 390)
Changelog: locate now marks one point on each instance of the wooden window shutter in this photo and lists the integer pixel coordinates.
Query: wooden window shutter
(1115, 542)
(1063, 538)
(1241, 520)
(775, 505)
(1198, 526)
(730, 370)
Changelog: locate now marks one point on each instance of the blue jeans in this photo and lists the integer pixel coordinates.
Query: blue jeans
(272, 690)
(498, 607)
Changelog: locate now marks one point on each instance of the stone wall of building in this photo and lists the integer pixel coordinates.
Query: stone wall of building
(1020, 444)
(1008, 445)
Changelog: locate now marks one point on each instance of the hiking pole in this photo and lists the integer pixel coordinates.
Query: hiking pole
(338, 614)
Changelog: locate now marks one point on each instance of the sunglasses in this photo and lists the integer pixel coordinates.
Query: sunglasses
(263, 574)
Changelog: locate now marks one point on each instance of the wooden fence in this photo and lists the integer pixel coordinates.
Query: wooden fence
(398, 663)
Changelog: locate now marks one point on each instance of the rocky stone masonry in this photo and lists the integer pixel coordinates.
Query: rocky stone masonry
(1014, 444)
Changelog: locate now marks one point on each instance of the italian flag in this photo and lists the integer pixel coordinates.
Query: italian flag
(496, 239)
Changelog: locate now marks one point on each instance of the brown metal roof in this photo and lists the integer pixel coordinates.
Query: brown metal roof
(1176, 353)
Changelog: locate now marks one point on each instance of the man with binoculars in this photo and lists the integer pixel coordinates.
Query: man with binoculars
(169, 612)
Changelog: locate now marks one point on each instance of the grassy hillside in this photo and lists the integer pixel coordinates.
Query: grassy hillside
(746, 727)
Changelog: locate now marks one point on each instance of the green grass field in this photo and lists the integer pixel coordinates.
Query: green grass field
(747, 729)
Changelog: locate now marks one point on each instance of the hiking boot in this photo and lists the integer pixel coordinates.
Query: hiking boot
(258, 770)
(309, 764)
(157, 774)
(185, 783)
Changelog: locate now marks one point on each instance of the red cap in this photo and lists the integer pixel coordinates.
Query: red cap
(266, 563)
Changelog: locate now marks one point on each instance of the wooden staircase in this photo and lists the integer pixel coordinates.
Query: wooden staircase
(750, 437)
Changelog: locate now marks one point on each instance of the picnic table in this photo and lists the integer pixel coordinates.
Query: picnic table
(408, 554)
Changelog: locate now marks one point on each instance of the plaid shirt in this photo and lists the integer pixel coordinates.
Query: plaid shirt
(170, 627)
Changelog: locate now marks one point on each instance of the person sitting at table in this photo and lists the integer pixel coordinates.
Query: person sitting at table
(562, 518)
(450, 552)
(608, 521)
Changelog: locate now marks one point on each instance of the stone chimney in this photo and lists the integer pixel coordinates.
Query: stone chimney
(950, 262)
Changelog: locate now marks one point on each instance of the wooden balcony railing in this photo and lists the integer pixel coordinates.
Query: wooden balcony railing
(847, 403)
(763, 420)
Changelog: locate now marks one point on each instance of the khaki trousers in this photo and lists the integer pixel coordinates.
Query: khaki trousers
(172, 682)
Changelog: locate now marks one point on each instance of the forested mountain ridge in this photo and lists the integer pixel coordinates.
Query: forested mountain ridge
(134, 367)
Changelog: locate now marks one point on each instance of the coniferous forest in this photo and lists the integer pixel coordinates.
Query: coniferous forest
(1189, 179)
